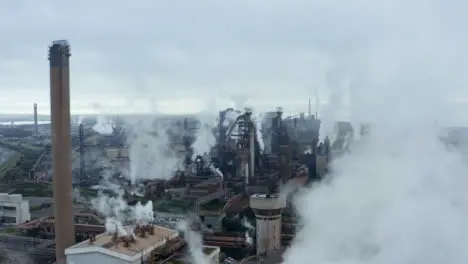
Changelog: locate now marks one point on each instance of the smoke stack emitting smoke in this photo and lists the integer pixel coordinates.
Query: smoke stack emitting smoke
(400, 196)
(151, 157)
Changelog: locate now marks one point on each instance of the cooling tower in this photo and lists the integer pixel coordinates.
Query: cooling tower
(267, 209)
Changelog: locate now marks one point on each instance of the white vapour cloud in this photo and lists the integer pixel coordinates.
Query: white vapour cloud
(144, 213)
(114, 207)
(151, 155)
(400, 196)
(114, 226)
(80, 120)
(103, 125)
(258, 126)
(205, 139)
(194, 241)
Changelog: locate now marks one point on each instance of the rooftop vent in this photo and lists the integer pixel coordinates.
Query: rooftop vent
(92, 239)
(143, 230)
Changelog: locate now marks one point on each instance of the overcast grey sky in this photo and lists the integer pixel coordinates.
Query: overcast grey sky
(197, 49)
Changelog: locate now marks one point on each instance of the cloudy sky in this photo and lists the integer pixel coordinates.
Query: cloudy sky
(186, 54)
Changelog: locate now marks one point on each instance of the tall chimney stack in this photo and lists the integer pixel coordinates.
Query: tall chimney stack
(35, 121)
(59, 53)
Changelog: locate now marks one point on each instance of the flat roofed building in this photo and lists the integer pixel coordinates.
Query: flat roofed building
(106, 249)
(14, 209)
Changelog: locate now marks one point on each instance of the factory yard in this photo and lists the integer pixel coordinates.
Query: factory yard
(217, 206)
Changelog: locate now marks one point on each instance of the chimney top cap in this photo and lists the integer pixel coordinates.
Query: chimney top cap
(61, 42)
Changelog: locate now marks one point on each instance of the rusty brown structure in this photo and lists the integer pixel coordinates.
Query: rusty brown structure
(59, 54)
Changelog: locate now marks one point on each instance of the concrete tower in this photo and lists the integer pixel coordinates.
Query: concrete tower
(35, 121)
(59, 53)
(267, 209)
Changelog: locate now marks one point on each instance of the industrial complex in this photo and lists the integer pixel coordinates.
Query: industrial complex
(230, 192)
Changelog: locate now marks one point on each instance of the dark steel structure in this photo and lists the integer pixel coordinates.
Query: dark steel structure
(35, 121)
(59, 53)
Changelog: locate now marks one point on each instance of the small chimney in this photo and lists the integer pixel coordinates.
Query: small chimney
(137, 229)
(92, 239)
(115, 238)
(150, 230)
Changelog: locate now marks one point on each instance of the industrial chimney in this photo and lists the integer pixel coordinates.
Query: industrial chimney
(59, 53)
(35, 121)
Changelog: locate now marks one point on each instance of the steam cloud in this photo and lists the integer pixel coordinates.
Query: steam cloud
(250, 228)
(103, 125)
(111, 204)
(205, 138)
(195, 243)
(151, 155)
(400, 196)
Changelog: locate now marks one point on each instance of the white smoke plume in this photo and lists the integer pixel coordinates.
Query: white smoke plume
(216, 171)
(144, 213)
(104, 125)
(80, 120)
(194, 241)
(257, 120)
(247, 224)
(332, 111)
(110, 201)
(151, 155)
(400, 195)
(230, 117)
(248, 238)
(114, 226)
(205, 139)
(114, 207)
(250, 228)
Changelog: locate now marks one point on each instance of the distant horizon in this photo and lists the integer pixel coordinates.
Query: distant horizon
(20, 117)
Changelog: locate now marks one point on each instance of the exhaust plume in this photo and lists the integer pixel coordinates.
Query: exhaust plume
(151, 154)
(400, 195)
(250, 228)
(103, 125)
(205, 139)
(144, 213)
(194, 241)
(114, 226)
